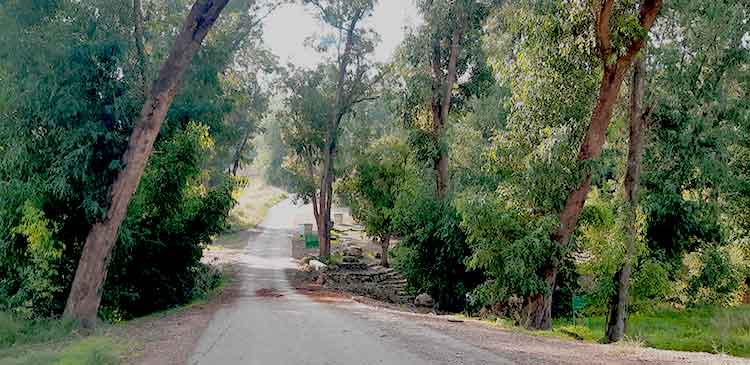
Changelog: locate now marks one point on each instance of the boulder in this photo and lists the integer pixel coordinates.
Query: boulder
(318, 266)
(424, 300)
(354, 251)
(306, 260)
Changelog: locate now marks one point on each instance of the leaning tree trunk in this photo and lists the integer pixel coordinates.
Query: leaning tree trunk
(86, 292)
(617, 323)
(538, 307)
(240, 151)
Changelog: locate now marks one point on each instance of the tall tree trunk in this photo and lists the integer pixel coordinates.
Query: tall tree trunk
(617, 323)
(385, 243)
(86, 292)
(339, 110)
(609, 89)
(139, 44)
(441, 106)
(326, 195)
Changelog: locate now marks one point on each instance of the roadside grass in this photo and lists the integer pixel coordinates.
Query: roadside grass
(52, 341)
(253, 203)
(59, 342)
(709, 329)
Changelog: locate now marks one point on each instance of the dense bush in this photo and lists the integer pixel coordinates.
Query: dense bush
(717, 280)
(433, 247)
(508, 246)
(173, 215)
(66, 112)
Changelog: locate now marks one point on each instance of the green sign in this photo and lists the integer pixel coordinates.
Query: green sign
(311, 241)
(579, 302)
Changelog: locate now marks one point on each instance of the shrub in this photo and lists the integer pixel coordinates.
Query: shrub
(718, 281)
(510, 247)
(433, 246)
(650, 284)
(173, 216)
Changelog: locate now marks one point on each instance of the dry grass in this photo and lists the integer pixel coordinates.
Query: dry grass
(253, 203)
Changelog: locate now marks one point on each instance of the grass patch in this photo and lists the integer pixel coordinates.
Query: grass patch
(253, 202)
(15, 331)
(41, 342)
(706, 329)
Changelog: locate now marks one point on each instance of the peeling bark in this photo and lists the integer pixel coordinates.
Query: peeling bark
(86, 292)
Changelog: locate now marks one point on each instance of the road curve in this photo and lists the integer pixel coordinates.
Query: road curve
(273, 324)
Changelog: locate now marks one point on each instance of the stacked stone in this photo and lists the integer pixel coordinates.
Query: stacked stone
(374, 282)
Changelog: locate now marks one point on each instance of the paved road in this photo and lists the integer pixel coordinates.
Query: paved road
(273, 324)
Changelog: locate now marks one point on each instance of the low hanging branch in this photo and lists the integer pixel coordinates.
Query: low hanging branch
(86, 292)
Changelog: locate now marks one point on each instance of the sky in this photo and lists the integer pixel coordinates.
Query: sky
(287, 29)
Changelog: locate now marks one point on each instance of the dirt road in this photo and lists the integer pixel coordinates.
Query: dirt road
(271, 323)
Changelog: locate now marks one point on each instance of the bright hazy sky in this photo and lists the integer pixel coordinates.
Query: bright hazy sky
(287, 29)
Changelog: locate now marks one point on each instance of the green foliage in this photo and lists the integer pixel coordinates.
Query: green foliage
(717, 279)
(650, 285)
(699, 121)
(43, 253)
(67, 108)
(509, 247)
(373, 188)
(181, 215)
(433, 246)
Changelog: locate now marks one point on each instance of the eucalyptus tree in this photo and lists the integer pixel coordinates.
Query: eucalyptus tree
(557, 58)
(443, 53)
(619, 36)
(637, 123)
(352, 78)
(303, 125)
(697, 116)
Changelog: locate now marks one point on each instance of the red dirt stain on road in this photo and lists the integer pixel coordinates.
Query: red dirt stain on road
(322, 295)
(268, 293)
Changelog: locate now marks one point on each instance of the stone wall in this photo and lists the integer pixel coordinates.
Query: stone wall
(375, 281)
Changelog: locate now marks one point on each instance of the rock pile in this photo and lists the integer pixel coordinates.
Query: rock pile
(352, 259)
(374, 281)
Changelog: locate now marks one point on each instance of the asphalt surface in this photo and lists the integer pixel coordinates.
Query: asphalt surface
(273, 324)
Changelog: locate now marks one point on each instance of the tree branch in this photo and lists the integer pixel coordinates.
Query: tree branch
(603, 43)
